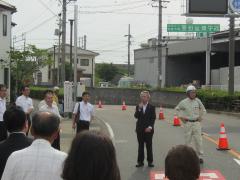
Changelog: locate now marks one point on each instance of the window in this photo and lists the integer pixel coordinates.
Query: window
(4, 25)
(84, 62)
(6, 77)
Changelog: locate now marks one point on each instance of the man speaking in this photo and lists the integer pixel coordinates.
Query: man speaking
(145, 115)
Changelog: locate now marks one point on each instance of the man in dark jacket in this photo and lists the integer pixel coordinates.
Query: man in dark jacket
(145, 115)
(17, 125)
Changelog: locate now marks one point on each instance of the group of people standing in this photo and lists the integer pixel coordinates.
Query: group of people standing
(91, 156)
(190, 111)
(44, 151)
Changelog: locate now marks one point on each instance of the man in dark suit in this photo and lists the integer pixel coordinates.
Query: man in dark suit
(17, 125)
(145, 115)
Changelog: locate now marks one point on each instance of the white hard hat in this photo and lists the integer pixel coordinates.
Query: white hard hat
(191, 88)
(55, 88)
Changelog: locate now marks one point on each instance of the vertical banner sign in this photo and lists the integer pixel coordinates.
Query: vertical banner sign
(68, 96)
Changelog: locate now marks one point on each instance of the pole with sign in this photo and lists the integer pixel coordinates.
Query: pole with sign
(68, 91)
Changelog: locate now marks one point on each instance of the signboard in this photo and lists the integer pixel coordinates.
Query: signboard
(205, 175)
(193, 28)
(80, 89)
(202, 34)
(68, 96)
(235, 5)
(208, 7)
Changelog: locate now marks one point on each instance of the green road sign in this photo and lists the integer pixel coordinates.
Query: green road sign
(193, 27)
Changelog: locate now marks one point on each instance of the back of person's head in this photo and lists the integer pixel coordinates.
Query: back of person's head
(14, 119)
(92, 157)
(182, 163)
(45, 124)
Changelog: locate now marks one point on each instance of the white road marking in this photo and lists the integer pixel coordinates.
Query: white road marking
(110, 131)
(209, 175)
(237, 161)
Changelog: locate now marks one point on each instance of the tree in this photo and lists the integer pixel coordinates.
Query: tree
(25, 63)
(106, 72)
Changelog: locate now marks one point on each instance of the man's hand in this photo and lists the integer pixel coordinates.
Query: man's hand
(74, 125)
(148, 130)
(200, 119)
(183, 119)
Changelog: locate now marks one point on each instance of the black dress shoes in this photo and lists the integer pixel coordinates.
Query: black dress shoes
(139, 164)
(150, 165)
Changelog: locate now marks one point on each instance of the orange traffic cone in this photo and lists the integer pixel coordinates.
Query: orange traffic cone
(223, 142)
(124, 107)
(161, 115)
(176, 121)
(99, 104)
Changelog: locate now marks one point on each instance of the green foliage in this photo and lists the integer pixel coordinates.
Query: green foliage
(106, 72)
(37, 92)
(25, 63)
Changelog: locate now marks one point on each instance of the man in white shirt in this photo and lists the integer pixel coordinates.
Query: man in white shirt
(83, 113)
(25, 102)
(49, 106)
(3, 94)
(39, 161)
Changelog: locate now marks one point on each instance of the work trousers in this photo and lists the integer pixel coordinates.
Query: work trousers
(193, 135)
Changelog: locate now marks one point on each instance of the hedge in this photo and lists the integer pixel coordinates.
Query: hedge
(212, 99)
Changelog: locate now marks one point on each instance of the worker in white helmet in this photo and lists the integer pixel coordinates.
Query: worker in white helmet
(190, 111)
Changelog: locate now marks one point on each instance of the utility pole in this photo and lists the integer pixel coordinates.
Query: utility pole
(85, 42)
(75, 51)
(59, 44)
(231, 55)
(64, 9)
(160, 76)
(129, 45)
(54, 62)
(71, 61)
(160, 43)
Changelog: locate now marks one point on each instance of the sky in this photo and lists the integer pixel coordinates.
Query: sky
(104, 22)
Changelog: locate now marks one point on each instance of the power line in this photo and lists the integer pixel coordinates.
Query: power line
(113, 5)
(47, 7)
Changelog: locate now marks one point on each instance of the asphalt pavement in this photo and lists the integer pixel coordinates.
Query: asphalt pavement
(122, 125)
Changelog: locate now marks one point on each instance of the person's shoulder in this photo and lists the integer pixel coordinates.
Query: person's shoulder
(19, 98)
(197, 99)
(150, 105)
(59, 154)
(19, 153)
(3, 144)
(184, 100)
(89, 104)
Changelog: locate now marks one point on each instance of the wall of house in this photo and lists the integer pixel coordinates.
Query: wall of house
(5, 44)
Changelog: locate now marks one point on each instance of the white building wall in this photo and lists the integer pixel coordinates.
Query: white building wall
(219, 78)
(5, 44)
(44, 71)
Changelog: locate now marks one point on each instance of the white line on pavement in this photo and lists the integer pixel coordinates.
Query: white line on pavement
(237, 161)
(110, 131)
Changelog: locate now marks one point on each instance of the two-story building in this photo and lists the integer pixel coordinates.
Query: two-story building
(85, 66)
(6, 11)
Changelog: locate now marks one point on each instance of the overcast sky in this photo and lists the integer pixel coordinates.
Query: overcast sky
(105, 22)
